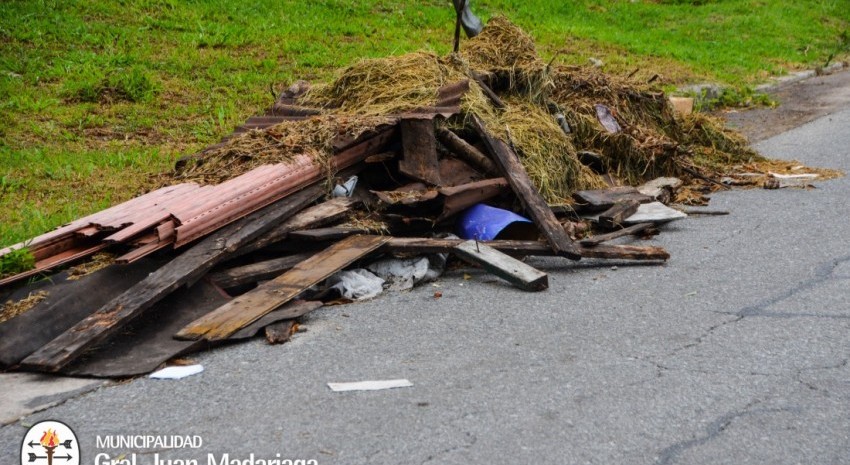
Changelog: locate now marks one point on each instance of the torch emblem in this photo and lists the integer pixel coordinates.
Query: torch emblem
(49, 443)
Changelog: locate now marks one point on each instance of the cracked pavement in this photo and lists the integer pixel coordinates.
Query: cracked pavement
(735, 352)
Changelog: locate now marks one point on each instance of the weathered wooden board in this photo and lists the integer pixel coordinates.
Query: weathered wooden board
(603, 199)
(467, 152)
(326, 234)
(614, 216)
(523, 248)
(600, 238)
(254, 272)
(67, 303)
(528, 195)
(459, 198)
(185, 269)
(321, 214)
(419, 157)
(661, 189)
(249, 307)
(288, 311)
(504, 266)
(147, 343)
(280, 332)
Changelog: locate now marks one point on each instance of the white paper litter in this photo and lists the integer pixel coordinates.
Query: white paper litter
(345, 189)
(177, 372)
(376, 385)
(357, 284)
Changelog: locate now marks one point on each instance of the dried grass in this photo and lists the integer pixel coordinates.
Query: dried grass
(545, 152)
(12, 309)
(97, 262)
(281, 143)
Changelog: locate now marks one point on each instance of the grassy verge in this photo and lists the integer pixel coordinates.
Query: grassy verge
(98, 96)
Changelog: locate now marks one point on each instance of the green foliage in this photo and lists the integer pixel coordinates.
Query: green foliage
(16, 261)
(132, 85)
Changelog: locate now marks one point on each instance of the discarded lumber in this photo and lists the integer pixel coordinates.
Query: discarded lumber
(504, 266)
(326, 234)
(467, 152)
(289, 311)
(600, 238)
(524, 248)
(255, 272)
(419, 156)
(68, 302)
(530, 198)
(661, 189)
(459, 198)
(147, 342)
(614, 216)
(242, 311)
(603, 199)
(185, 269)
(317, 215)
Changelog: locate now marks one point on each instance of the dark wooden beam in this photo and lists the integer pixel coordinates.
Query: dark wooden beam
(528, 195)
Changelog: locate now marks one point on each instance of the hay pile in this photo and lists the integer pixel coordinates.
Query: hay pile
(653, 142)
(278, 144)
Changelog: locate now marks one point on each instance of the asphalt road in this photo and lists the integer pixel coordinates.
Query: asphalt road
(735, 352)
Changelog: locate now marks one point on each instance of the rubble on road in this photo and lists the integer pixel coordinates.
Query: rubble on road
(379, 163)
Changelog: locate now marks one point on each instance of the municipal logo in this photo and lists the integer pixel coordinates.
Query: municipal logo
(50, 443)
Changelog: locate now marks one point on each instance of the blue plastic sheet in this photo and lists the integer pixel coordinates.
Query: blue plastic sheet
(483, 222)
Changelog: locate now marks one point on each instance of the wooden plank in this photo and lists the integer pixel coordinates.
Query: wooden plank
(467, 152)
(661, 189)
(249, 307)
(523, 248)
(419, 157)
(280, 332)
(256, 271)
(185, 269)
(147, 343)
(317, 215)
(326, 234)
(289, 311)
(461, 197)
(528, 195)
(600, 238)
(613, 217)
(504, 266)
(603, 199)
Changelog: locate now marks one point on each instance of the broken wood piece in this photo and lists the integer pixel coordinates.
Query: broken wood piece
(380, 157)
(600, 238)
(504, 266)
(603, 199)
(459, 198)
(497, 102)
(523, 248)
(614, 216)
(255, 272)
(186, 269)
(326, 234)
(419, 157)
(247, 308)
(654, 212)
(410, 194)
(280, 332)
(528, 195)
(661, 189)
(290, 311)
(467, 152)
(311, 217)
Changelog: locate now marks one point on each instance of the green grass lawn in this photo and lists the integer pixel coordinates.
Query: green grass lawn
(97, 96)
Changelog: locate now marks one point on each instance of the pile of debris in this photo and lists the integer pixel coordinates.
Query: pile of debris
(378, 169)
